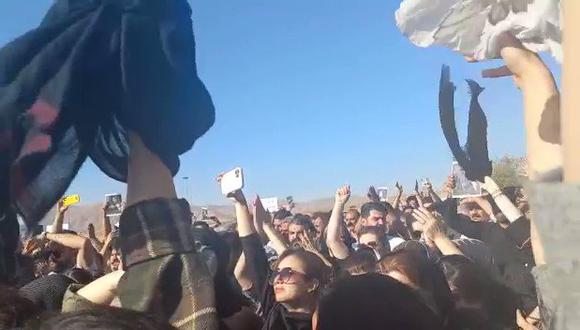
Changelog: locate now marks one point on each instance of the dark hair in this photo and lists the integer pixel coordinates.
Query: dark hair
(103, 317)
(411, 198)
(354, 211)
(479, 300)
(325, 216)
(424, 275)
(304, 221)
(15, 310)
(366, 209)
(281, 214)
(361, 261)
(373, 301)
(80, 276)
(315, 267)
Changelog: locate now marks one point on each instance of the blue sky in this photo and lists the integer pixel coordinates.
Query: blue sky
(311, 94)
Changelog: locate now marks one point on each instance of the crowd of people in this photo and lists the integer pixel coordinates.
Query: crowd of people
(422, 260)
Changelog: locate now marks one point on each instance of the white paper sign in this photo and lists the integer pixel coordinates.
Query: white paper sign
(270, 204)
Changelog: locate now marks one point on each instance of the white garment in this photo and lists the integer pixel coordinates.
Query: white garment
(472, 27)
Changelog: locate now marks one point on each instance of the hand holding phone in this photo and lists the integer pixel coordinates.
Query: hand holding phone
(232, 181)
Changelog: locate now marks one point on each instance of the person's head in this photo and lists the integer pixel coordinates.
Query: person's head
(394, 224)
(103, 317)
(61, 258)
(320, 221)
(372, 237)
(351, 218)
(300, 224)
(299, 277)
(361, 261)
(474, 211)
(373, 302)
(480, 301)
(15, 310)
(115, 261)
(411, 266)
(412, 202)
(373, 214)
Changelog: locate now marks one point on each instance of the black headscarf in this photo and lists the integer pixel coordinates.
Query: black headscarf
(474, 158)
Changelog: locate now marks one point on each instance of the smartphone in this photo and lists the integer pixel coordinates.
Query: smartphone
(383, 193)
(71, 200)
(114, 205)
(232, 181)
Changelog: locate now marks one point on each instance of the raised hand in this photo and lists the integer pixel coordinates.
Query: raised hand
(236, 196)
(372, 195)
(433, 225)
(61, 209)
(342, 195)
(399, 188)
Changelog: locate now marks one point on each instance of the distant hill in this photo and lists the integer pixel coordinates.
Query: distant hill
(80, 216)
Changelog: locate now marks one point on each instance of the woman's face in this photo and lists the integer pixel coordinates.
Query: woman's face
(291, 282)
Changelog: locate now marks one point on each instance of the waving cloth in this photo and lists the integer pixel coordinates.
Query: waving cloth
(71, 88)
(474, 158)
(472, 27)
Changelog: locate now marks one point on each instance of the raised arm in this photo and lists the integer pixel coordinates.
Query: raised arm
(58, 218)
(541, 103)
(263, 219)
(511, 212)
(435, 230)
(432, 193)
(86, 256)
(397, 201)
(334, 242)
(105, 221)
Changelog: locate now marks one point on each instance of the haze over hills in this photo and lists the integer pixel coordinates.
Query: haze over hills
(79, 216)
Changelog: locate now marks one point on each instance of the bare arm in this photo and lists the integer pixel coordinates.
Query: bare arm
(335, 244)
(435, 230)
(58, 218)
(263, 219)
(397, 201)
(432, 193)
(541, 103)
(103, 290)
(106, 222)
(511, 212)
(148, 177)
(86, 256)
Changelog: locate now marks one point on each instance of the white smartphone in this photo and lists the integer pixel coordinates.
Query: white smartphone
(232, 181)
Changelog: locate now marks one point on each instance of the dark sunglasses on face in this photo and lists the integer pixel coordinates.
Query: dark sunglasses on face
(372, 245)
(286, 276)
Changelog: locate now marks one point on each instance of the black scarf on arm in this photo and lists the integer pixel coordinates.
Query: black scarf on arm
(474, 158)
(72, 88)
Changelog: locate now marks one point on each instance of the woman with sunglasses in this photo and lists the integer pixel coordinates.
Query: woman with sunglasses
(291, 296)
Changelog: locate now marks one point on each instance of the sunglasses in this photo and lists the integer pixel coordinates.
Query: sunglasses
(286, 276)
(372, 245)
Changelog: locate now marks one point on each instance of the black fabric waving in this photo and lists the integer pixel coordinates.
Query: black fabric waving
(72, 88)
(474, 159)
